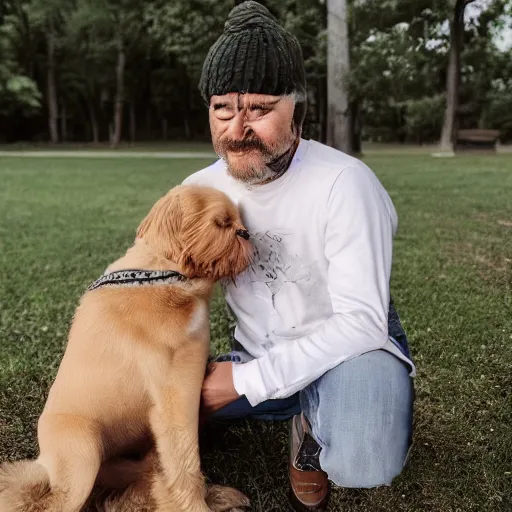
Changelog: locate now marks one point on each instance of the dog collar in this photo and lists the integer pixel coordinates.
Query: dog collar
(137, 278)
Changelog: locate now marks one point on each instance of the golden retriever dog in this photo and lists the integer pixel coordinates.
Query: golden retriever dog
(131, 375)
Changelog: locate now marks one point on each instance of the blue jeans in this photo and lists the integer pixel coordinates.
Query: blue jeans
(360, 413)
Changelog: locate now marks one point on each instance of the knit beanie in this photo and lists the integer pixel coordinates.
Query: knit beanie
(255, 55)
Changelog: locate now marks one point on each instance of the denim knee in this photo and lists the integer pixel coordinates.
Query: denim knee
(361, 415)
(362, 466)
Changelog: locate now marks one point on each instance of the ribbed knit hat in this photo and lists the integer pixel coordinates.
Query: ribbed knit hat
(254, 54)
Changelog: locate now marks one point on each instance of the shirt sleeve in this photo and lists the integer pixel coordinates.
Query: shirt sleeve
(360, 226)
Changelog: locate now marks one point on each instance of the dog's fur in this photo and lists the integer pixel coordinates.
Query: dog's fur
(131, 376)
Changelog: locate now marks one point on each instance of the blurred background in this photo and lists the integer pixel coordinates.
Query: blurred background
(383, 71)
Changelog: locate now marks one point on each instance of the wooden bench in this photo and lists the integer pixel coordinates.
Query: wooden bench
(476, 139)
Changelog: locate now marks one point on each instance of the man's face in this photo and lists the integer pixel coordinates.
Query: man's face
(249, 131)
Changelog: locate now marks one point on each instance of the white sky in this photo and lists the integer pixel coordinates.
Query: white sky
(503, 39)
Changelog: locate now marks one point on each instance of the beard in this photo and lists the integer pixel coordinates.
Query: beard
(251, 161)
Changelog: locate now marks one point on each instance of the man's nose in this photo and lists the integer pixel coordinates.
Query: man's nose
(238, 126)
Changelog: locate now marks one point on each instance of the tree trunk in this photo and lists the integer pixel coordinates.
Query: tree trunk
(119, 103)
(453, 76)
(53, 110)
(164, 129)
(338, 68)
(94, 123)
(356, 126)
(186, 123)
(149, 129)
(321, 105)
(187, 105)
(133, 123)
(63, 123)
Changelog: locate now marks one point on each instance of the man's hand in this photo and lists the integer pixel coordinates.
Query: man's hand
(218, 388)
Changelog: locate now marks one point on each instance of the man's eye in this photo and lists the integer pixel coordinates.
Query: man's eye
(261, 109)
(258, 111)
(223, 111)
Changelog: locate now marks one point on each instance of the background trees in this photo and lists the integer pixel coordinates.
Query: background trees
(107, 70)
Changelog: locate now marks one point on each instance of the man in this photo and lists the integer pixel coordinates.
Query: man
(317, 339)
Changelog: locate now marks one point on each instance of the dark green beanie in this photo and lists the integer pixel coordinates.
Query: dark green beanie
(255, 55)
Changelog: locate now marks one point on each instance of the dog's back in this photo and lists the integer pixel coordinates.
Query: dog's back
(116, 333)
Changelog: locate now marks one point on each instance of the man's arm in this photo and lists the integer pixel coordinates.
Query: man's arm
(358, 246)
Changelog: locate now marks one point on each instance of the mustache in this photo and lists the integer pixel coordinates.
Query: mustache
(244, 145)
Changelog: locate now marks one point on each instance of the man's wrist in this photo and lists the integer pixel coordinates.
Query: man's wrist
(248, 381)
(238, 380)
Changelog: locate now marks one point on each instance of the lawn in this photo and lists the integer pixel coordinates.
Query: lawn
(63, 220)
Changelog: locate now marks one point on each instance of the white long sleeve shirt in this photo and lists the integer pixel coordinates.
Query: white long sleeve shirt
(317, 292)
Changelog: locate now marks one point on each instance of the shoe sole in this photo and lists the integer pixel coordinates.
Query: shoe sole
(298, 506)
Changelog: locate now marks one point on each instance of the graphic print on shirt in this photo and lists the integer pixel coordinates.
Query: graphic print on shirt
(275, 266)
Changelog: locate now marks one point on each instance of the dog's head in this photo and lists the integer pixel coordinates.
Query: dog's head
(200, 229)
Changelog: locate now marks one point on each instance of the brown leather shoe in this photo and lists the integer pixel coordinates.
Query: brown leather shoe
(309, 484)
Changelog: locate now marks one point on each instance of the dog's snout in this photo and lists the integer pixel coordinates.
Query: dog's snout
(243, 233)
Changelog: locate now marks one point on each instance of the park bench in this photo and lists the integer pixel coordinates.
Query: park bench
(476, 139)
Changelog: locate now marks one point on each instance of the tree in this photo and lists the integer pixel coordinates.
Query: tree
(183, 31)
(338, 69)
(87, 72)
(115, 57)
(48, 16)
(481, 62)
(394, 65)
(453, 73)
(116, 25)
(19, 94)
(497, 109)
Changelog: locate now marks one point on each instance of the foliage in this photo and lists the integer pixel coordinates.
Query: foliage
(498, 114)
(398, 54)
(186, 29)
(423, 118)
(19, 94)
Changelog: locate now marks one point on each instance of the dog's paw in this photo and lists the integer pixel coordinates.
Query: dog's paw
(225, 499)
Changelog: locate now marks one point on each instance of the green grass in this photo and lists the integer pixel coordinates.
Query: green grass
(63, 220)
(370, 148)
(158, 146)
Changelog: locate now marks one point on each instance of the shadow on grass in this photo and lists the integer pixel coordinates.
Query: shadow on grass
(252, 456)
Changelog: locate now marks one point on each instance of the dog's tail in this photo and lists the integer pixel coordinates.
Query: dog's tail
(25, 487)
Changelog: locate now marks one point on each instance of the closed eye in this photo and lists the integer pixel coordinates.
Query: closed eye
(260, 108)
(223, 223)
(263, 108)
(223, 111)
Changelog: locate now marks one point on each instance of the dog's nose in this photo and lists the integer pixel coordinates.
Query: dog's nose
(243, 233)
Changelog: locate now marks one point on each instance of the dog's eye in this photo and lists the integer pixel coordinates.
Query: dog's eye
(223, 223)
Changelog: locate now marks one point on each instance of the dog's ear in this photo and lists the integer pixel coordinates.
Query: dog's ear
(162, 227)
